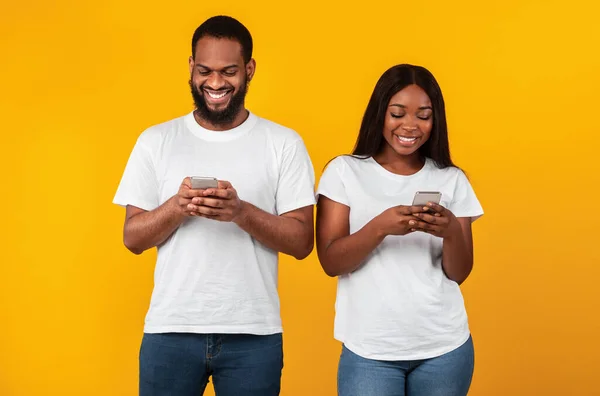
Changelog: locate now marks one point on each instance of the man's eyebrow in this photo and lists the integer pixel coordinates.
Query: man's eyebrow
(206, 67)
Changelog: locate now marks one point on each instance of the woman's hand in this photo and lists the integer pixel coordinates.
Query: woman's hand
(436, 220)
(398, 220)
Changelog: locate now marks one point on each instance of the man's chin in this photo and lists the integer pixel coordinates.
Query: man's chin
(219, 113)
(217, 108)
(216, 116)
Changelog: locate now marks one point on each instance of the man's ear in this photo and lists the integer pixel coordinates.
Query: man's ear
(191, 62)
(250, 69)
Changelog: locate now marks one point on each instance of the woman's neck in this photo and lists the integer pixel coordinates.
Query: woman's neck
(400, 164)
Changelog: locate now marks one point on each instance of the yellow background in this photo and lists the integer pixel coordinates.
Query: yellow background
(80, 82)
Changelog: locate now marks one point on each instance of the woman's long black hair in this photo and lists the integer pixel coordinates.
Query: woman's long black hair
(370, 138)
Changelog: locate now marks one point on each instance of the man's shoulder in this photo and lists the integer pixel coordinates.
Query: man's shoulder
(157, 132)
(277, 131)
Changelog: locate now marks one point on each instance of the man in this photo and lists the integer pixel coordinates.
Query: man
(214, 309)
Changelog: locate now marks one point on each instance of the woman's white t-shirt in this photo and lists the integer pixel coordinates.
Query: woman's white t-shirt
(399, 304)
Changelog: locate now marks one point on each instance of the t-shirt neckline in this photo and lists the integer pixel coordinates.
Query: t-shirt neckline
(397, 176)
(220, 136)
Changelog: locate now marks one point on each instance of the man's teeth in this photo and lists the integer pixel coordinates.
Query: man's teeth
(405, 139)
(217, 95)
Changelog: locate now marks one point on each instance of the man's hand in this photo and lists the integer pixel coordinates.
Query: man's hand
(184, 196)
(222, 203)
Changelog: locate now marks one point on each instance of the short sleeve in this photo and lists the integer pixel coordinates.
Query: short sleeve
(331, 183)
(296, 185)
(138, 186)
(465, 202)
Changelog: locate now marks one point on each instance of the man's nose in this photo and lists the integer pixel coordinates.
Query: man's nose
(215, 81)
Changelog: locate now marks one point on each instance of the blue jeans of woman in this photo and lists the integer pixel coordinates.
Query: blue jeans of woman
(446, 375)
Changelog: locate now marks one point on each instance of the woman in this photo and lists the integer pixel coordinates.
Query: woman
(399, 311)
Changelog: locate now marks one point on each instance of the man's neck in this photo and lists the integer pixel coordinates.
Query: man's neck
(237, 121)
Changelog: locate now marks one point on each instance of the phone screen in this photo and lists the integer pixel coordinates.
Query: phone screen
(423, 197)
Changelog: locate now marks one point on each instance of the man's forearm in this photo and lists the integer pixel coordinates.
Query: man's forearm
(280, 233)
(146, 230)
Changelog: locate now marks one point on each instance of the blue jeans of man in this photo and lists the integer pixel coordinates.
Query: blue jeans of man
(180, 364)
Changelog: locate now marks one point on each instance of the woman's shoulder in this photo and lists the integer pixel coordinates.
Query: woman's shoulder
(349, 166)
(449, 175)
(343, 161)
(446, 171)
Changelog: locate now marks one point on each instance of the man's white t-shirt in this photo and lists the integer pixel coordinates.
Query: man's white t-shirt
(211, 276)
(398, 305)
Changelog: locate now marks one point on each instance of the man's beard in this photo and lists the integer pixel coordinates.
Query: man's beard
(220, 117)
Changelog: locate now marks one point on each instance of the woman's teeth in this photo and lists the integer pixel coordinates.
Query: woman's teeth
(406, 139)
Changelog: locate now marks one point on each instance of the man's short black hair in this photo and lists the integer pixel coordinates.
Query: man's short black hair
(222, 26)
